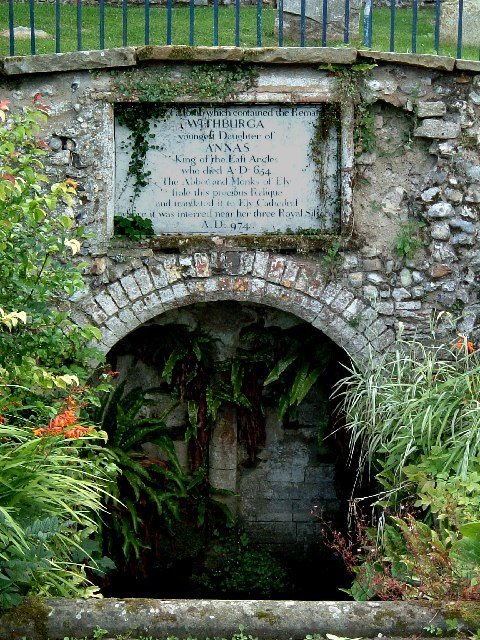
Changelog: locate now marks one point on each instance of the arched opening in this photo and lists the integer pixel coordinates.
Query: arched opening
(220, 420)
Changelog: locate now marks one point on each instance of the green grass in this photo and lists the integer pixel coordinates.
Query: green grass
(45, 20)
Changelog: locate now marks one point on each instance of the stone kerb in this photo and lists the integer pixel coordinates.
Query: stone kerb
(290, 284)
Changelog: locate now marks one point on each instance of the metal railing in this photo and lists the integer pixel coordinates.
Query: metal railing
(365, 37)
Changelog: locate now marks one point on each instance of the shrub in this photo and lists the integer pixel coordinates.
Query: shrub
(50, 485)
(413, 418)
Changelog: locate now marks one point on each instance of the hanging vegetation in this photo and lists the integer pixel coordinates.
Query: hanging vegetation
(155, 500)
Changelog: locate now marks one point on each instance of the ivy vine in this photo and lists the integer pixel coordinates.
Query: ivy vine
(152, 91)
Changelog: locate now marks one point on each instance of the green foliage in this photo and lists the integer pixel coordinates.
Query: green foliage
(412, 400)
(364, 130)
(349, 77)
(50, 491)
(407, 242)
(37, 274)
(412, 561)
(242, 569)
(133, 227)
(413, 418)
(332, 258)
(50, 484)
(144, 481)
(152, 92)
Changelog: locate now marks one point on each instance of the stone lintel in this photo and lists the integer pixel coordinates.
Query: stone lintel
(131, 56)
(262, 55)
(72, 61)
(186, 244)
(468, 65)
(412, 59)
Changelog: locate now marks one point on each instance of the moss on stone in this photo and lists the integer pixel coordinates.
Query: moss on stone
(31, 615)
(182, 52)
(268, 616)
(383, 619)
(294, 243)
(467, 612)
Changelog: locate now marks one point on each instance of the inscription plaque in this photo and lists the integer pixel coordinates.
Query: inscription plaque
(234, 170)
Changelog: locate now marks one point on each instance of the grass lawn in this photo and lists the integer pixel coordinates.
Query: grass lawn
(45, 20)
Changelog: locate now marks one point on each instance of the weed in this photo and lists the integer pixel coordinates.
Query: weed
(332, 257)
(133, 227)
(407, 242)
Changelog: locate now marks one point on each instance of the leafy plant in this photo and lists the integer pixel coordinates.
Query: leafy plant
(407, 242)
(51, 485)
(411, 400)
(413, 561)
(243, 569)
(133, 227)
(413, 415)
(144, 482)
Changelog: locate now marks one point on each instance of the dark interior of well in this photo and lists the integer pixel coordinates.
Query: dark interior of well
(226, 436)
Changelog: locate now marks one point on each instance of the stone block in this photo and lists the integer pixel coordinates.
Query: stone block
(97, 314)
(107, 303)
(225, 479)
(274, 532)
(413, 59)
(342, 301)
(223, 444)
(276, 269)
(119, 328)
(128, 318)
(470, 21)
(260, 264)
(158, 275)
(74, 61)
(141, 311)
(118, 294)
(131, 287)
(436, 128)
(143, 280)
(431, 109)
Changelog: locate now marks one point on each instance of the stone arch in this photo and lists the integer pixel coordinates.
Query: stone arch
(290, 467)
(288, 283)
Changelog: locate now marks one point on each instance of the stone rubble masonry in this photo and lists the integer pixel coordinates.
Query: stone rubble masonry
(138, 282)
(422, 177)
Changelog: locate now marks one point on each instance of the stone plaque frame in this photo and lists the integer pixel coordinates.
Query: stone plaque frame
(344, 160)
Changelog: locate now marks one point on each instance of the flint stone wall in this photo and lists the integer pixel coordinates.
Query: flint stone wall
(420, 178)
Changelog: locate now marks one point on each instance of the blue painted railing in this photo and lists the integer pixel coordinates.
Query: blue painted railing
(368, 23)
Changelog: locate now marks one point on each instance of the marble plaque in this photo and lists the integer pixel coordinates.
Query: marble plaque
(234, 170)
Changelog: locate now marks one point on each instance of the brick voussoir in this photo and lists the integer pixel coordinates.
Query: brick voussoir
(131, 287)
(107, 303)
(143, 280)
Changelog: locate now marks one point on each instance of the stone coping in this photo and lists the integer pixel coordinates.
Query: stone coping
(266, 619)
(132, 56)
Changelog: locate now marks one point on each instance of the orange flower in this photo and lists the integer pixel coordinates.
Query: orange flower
(64, 419)
(77, 432)
(462, 343)
(2, 419)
